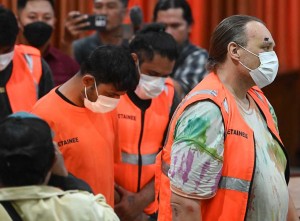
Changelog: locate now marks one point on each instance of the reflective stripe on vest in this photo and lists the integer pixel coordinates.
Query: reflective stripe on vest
(232, 183)
(147, 159)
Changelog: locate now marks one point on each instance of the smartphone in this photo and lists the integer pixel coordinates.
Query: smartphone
(97, 22)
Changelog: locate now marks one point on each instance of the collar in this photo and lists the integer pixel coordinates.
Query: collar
(29, 192)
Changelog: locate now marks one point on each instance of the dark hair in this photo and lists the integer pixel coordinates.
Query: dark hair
(26, 150)
(22, 3)
(152, 39)
(8, 28)
(112, 64)
(124, 2)
(231, 29)
(163, 5)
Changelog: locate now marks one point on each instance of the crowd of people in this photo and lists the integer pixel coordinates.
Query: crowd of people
(145, 128)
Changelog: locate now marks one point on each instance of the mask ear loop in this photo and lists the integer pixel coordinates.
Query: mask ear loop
(96, 88)
(248, 50)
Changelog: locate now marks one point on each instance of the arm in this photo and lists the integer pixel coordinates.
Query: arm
(73, 24)
(292, 212)
(46, 82)
(185, 209)
(132, 205)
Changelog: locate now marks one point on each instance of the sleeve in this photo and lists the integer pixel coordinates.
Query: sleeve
(103, 210)
(192, 71)
(46, 82)
(197, 151)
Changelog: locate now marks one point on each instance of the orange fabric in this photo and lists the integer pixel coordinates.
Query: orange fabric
(226, 204)
(129, 131)
(86, 140)
(22, 86)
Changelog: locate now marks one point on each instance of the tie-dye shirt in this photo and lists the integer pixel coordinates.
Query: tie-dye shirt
(197, 160)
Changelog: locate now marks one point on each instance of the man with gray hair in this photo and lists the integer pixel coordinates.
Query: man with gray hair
(223, 156)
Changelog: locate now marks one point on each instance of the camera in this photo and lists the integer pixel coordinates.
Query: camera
(97, 22)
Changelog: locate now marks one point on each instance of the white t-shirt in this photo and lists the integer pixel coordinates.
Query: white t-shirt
(197, 160)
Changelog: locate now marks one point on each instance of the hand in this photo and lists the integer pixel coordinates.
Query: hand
(58, 167)
(128, 208)
(73, 25)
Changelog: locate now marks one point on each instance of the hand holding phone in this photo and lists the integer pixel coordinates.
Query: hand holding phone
(96, 22)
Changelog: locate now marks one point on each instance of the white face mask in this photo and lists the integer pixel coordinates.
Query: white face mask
(267, 70)
(103, 104)
(5, 59)
(150, 87)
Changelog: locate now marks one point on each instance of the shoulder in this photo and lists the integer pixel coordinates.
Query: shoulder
(46, 104)
(90, 205)
(86, 41)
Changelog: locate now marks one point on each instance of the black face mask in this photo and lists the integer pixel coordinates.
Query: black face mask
(37, 33)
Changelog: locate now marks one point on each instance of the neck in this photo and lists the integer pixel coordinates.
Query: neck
(114, 37)
(233, 81)
(73, 90)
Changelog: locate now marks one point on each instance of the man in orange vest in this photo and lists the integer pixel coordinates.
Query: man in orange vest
(81, 113)
(223, 158)
(143, 116)
(24, 76)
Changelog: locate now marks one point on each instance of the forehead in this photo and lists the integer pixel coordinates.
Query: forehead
(257, 32)
(171, 15)
(38, 6)
(159, 64)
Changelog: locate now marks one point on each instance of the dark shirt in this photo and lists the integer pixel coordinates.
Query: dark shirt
(63, 67)
(84, 46)
(45, 85)
(190, 67)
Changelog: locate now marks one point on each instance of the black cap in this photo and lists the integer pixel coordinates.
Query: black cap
(26, 145)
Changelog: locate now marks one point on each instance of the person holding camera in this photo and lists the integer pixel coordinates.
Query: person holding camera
(107, 21)
(37, 20)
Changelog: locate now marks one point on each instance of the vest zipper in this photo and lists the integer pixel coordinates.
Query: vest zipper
(140, 163)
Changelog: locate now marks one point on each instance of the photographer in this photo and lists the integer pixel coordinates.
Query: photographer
(76, 23)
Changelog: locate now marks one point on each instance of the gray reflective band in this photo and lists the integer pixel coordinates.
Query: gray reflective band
(234, 184)
(165, 167)
(147, 159)
(209, 92)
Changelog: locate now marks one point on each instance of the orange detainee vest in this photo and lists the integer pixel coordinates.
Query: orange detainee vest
(140, 139)
(231, 199)
(22, 86)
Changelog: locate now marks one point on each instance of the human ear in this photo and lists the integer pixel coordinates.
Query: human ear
(135, 58)
(232, 50)
(88, 80)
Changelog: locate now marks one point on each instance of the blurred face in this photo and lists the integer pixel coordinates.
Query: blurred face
(113, 10)
(175, 24)
(158, 67)
(37, 10)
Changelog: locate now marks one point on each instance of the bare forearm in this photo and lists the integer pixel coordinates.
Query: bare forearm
(292, 212)
(147, 194)
(184, 209)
